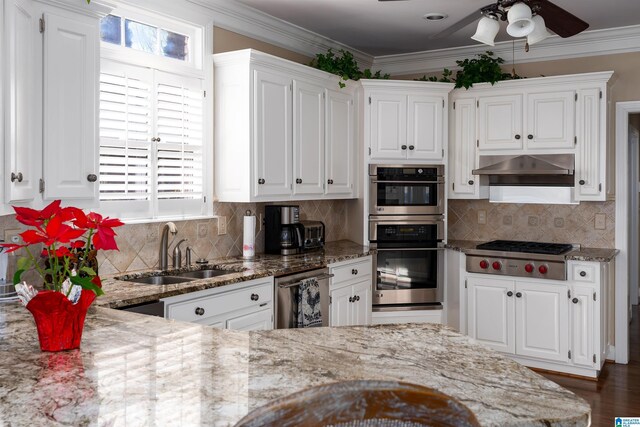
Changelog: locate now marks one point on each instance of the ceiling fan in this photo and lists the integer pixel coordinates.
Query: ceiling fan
(527, 18)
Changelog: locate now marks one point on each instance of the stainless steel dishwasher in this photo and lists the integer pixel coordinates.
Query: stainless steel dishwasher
(286, 296)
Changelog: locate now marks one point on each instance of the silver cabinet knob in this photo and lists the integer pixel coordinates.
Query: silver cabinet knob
(509, 294)
(583, 273)
(255, 297)
(298, 180)
(92, 177)
(357, 297)
(519, 295)
(517, 136)
(350, 299)
(16, 177)
(404, 147)
(575, 300)
(261, 181)
(470, 182)
(530, 136)
(411, 147)
(329, 181)
(199, 311)
(582, 182)
(354, 271)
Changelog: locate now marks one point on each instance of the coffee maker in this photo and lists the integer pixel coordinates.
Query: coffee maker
(283, 233)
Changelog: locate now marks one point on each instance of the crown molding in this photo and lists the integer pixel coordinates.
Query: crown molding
(589, 43)
(250, 22)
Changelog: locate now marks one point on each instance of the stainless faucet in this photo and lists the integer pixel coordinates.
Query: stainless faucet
(177, 254)
(163, 256)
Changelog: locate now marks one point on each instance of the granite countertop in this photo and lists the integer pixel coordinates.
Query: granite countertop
(580, 254)
(141, 370)
(122, 293)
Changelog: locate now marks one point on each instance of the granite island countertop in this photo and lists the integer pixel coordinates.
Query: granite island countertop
(578, 254)
(123, 293)
(133, 369)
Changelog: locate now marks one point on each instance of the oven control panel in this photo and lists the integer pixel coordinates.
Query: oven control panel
(504, 266)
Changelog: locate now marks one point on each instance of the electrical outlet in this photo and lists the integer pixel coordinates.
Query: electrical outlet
(222, 225)
(600, 221)
(12, 236)
(482, 216)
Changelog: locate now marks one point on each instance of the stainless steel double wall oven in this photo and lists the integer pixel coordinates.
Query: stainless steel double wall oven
(406, 226)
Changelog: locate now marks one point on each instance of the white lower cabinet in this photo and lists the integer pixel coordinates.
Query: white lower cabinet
(246, 306)
(350, 291)
(546, 324)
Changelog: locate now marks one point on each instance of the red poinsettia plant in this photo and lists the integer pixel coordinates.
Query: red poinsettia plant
(70, 240)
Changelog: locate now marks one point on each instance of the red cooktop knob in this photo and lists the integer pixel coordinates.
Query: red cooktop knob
(484, 264)
(496, 265)
(543, 269)
(528, 268)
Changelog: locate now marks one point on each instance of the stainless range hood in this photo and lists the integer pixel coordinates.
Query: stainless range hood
(542, 170)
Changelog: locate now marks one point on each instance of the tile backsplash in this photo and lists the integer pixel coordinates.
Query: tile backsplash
(138, 243)
(547, 223)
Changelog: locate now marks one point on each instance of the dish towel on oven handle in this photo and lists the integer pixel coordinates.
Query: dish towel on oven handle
(309, 314)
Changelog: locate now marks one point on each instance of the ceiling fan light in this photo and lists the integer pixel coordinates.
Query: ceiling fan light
(520, 22)
(487, 30)
(539, 32)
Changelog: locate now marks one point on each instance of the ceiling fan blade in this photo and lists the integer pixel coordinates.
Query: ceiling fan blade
(458, 25)
(558, 20)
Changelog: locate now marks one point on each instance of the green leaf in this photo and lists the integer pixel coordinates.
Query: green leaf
(88, 270)
(23, 263)
(86, 283)
(17, 276)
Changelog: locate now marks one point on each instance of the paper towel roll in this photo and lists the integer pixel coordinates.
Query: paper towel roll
(249, 236)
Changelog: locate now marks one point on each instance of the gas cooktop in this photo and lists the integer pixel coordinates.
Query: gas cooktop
(526, 247)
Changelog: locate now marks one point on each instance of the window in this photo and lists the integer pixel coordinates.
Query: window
(143, 37)
(152, 155)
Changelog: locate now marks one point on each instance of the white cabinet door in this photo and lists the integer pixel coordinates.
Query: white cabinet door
(424, 127)
(361, 307)
(582, 321)
(256, 321)
(70, 132)
(341, 306)
(308, 138)
(388, 127)
(340, 146)
(462, 151)
(22, 109)
(551, 120)
(491, 312)
(591, 150)
(500, 122)
(272, 134)
(542, 321)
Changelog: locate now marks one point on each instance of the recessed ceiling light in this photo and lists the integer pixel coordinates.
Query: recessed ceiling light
(435, 16)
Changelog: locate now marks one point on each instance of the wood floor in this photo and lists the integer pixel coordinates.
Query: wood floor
(617, 392)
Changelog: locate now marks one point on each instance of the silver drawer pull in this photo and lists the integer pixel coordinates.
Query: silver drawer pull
(263, 304)
(199, 311)
(255, 297)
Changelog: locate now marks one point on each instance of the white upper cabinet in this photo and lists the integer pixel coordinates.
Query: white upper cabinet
(340, 146)
(425, 127)
(22, 112)
(545, 115)
(50, 101)
(281, 131)
(551, 120)
(272, 134)
(500, 122)
(309, 138)
(405, 120)
(388, 114)
(70, 132)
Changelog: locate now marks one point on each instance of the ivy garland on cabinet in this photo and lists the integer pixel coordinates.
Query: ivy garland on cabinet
(345, 66)
(485, 68)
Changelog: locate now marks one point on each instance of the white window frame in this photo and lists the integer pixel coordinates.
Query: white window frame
(200, 65)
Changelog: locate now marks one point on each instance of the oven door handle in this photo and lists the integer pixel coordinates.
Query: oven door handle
(439, 181)
(409, 249)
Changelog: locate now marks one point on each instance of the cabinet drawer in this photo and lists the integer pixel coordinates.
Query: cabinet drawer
(204, 307)
(585, 273)
(355, 270)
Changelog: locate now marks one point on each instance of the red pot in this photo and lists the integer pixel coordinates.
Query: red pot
(59, 322)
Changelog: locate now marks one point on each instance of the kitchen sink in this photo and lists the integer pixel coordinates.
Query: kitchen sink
(161, 280)
(205, 274)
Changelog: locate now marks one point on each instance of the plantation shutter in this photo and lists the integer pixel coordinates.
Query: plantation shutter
(179, 103)
(126, 126)
(151, 142)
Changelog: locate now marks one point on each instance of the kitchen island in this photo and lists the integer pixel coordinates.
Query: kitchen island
(142, 370)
